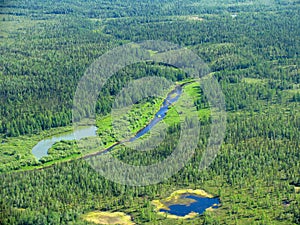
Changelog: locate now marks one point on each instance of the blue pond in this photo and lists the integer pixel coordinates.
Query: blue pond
(198, 206)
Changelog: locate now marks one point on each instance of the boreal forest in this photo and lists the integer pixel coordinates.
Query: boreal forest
(251, 48)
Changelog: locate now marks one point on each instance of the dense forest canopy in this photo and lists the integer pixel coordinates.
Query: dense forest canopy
(55, 48)
(252, 49)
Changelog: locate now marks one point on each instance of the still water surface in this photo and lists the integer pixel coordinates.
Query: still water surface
(199, 206)
(41, 149)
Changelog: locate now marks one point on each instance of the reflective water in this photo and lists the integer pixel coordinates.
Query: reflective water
(41, 149)
(172, 97)
(199, 205)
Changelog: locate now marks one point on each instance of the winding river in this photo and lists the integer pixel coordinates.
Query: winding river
(41, 149)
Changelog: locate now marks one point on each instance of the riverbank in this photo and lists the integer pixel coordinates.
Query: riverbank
(145, 114)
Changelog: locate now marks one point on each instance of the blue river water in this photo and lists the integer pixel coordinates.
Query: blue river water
(41, 149)
(172, 97)
(199, 206)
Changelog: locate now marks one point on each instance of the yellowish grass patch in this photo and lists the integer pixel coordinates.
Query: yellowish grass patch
(195, 18)
(249, 80)
(98, 217)
(191, 18)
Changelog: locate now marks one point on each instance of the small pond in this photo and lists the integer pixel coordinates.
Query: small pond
(188, 203)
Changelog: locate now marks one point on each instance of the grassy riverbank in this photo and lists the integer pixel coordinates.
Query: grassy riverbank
(16, 151)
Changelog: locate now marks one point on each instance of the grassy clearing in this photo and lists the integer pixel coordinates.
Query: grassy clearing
(11, 24)
(199, 192)
(186, 217)
(194, 18)
(190, 18)
(108, 218)
(125, 125)
(254, 80)
(192, 92)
